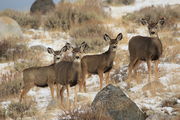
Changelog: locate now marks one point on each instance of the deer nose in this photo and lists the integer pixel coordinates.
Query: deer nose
(114, 46)
(152, 32)
(58, 58)
(77, 57)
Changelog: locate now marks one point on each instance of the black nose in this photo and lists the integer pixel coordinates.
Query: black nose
(77, 57)
(152, 32)
(114, 46)
(57, 58)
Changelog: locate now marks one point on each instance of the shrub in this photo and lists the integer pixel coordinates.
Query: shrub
(23, 19)
(2, 113)
(92, 33)
(120, 2)
(171, 14)
(83, 113)
(68, 14)
(19, 110)
(10, 49)
(10, 84)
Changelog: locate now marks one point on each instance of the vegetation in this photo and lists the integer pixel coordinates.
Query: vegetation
(120, 2)
(24, 19)
(67, 15)
(92, 33)
(83, 113)
(171, 14)
(19, 110)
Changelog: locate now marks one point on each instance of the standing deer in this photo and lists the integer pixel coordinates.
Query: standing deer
(68, 73)
(100, 63)
(42, 76)
(142, 48)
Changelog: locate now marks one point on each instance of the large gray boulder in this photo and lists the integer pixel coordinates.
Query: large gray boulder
(42, 6)
(113, 102)
(9, 28)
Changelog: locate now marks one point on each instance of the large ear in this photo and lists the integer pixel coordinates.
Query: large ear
(107, 38)
(50, 50)
(64, 49)
(119, 37)
(83, 46)
(68, 45)
(143, 21)
(161, 21)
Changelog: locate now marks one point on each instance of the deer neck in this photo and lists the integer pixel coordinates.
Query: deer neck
(110, 53)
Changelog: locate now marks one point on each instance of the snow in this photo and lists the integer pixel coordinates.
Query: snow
(117, 12)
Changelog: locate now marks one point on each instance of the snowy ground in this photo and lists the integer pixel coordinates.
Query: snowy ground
(144, 99)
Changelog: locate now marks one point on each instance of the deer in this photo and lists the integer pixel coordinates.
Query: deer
(42, 76)
(144, 48)
(100, 63)
(68, 73)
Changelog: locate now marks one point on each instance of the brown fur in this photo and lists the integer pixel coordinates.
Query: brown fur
(100, 63)
(142, 48)
(41, 76)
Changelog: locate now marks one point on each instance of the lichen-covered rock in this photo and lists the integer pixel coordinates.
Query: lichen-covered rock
(113, 101)
(9, 28)
(42, 6)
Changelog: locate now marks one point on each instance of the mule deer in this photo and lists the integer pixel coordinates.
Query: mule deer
(100, 63)
(68, 73)
(142, 48)
(42, 76)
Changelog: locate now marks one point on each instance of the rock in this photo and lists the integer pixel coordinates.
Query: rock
(42, 6)
(113, 101)
(9, 28)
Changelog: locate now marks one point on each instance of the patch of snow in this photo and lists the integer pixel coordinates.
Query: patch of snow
(124, 47)
(123, 10)
(5, 104)
(169, 66)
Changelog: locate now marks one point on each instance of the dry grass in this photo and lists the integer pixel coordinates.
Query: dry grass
(92, 33)
(10, 85)
(119, 2)
(24, 19)
(67, 15)
(21, 110)
(171, 14)
(10, 49)
(82, 113)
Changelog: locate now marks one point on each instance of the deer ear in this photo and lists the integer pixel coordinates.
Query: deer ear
(143, 21)
(64, 49)
(50, 50)
(119, 37)
(83, 46)
(68, 45)
(161, 21)
(107, 38)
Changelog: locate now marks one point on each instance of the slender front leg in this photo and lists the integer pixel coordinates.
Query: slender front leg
(156, 69)
(149, 69)
(75, 95)
(24, 92)
(100, 73)
(61, 93)
(67, 88)
(107, 78)
(52, 90)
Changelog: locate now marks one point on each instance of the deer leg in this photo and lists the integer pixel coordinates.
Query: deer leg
(107, 78)
(58, 87)
(83, 81)
(52, 90)
(131, 66)
(24, 92)
(67, 88)
(75, 95)
(149, 68)
(100, 73)
(156, 68)
(61, 93)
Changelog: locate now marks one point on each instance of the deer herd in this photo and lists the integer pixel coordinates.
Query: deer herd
(68, 73)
